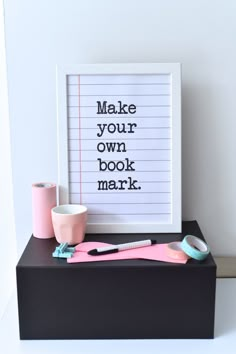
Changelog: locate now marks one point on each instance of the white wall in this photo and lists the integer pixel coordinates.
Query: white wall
(7, 224)
(200, 34)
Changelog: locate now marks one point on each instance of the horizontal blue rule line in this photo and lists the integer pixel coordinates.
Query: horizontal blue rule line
(96, 128)
(124, 203)
(121, 151)
(137, 106)
(115, 214)
(112, 117)
(124, 84)
(123, 95)
(130, 192)
(84, 182)
(122, 140)
(120, 171)
(120, 160)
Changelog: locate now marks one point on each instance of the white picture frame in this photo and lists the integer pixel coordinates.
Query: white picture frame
(96, 71)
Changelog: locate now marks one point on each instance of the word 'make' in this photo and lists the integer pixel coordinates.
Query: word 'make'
(104, 108)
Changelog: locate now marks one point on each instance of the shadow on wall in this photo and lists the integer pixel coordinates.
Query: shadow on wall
(201, 175)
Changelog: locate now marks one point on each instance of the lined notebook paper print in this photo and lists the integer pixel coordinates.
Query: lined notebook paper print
(120, 141)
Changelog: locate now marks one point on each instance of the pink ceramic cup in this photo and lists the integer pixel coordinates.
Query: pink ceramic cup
(69, 223)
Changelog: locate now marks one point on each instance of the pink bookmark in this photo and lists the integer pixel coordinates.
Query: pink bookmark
(156, 252)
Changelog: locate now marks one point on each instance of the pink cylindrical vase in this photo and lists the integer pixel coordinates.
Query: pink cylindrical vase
(44, 198)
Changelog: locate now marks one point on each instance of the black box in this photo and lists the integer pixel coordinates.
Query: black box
(117, 299)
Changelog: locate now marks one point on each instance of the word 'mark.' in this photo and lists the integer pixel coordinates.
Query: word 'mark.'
(128, 184)
(104, 108)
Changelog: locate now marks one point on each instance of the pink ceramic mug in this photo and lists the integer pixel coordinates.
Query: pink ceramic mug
(69, 223)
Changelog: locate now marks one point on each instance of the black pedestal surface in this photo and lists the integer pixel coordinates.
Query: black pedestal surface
(116, 299)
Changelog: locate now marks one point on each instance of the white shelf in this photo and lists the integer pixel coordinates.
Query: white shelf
(224, 342)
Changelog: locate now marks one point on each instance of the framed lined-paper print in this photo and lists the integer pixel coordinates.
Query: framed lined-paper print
(119, 134)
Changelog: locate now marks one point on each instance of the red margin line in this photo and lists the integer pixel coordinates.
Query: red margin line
(80, 153)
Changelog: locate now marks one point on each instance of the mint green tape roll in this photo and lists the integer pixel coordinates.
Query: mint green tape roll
(195, 248)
